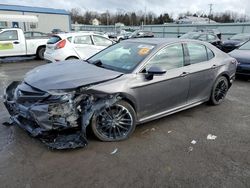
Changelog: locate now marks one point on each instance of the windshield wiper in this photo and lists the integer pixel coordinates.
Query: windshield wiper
(98, 63)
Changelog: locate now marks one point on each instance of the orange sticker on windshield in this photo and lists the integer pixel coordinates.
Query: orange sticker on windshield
(143, 51)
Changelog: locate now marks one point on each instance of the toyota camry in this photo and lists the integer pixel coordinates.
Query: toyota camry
(127, 84)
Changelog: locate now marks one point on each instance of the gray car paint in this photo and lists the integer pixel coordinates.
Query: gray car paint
(166, 93)
(67, 75)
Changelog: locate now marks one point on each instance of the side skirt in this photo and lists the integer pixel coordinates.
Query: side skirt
(169, 112)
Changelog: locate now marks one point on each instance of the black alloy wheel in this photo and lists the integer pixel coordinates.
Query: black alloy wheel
(219, 91)
(114, 123)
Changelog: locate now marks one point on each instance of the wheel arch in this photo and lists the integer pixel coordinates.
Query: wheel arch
(39, 47)
(226, 75)
(72, 57)
(129, 100)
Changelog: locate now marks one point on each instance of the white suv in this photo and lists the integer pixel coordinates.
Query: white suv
(74, 46)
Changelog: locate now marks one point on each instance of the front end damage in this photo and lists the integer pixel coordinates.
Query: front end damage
(58, 119)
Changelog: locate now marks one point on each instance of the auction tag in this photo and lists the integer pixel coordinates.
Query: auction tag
(143, 51)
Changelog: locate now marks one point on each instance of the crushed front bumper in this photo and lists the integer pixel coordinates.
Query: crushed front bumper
(60, 124)
(37, 120)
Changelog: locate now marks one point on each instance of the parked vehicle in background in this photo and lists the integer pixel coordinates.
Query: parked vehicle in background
(235, 42)
(35, 34)
(242, 54)
(57, 31)
(129, 83)
(14, 43)
(203, 36)
(104, 34)
(141, 34)
(80, 45)
(122, 35)
(213, 31)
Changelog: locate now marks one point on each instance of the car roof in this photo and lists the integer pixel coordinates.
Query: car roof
(65, 35)
(160, 41)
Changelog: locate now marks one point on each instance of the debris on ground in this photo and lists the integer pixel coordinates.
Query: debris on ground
(193, 142)
(190, 149)
(169, 132)
(211, 137)
(145, 131)
(153, 129)
(113, 152)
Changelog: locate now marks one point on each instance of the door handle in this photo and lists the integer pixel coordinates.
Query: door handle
(16, 42)
(184, 74)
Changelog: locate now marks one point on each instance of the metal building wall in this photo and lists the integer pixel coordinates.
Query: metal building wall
(46, 22)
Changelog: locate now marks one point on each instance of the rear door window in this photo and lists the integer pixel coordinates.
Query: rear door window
(84, 39)
(8, 35)
(197, 53)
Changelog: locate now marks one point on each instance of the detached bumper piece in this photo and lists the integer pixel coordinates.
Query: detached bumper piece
(28, 110)
(65, 140)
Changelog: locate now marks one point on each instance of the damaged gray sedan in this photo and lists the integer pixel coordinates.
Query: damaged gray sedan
(126, 84)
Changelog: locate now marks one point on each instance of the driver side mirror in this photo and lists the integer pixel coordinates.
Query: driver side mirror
(154, 70)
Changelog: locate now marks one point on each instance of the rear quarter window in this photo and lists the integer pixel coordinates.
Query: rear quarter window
(69, 39)
(210, 54)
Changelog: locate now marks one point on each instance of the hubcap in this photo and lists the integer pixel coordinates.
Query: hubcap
(220, 91)
(114, 122)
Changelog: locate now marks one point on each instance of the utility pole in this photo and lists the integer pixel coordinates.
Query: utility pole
(107, 17)
(210, 11)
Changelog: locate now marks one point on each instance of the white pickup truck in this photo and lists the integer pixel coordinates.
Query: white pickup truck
(14, 43)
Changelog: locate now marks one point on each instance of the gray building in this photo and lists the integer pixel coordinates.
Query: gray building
(47, 18)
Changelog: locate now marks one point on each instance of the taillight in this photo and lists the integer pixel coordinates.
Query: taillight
(60, 44)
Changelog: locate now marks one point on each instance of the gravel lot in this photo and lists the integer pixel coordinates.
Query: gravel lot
(159, 153)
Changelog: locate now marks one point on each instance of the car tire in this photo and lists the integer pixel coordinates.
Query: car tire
(219, 91)
(114, 123)
(40, 53)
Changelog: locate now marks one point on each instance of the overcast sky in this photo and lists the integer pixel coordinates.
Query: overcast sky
(157, 6)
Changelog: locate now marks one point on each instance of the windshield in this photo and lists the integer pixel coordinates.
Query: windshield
(241, 37)
(122, 57)
(245, 46)
(190, 36)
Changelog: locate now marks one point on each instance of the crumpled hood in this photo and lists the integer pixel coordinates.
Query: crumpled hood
(242, 56)
(68, 75)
